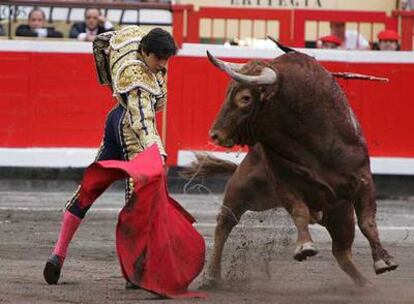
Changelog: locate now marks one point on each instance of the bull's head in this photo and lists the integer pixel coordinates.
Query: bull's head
(253, 83)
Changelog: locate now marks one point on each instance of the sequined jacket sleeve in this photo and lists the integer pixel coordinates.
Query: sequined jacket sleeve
(141, 111)
(161, 101)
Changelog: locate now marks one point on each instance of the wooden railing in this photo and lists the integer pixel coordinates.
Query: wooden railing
(407, 28)
(359, 17)
(291, 23)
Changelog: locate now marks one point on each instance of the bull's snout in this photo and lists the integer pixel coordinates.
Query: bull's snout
(220, 139)
(214, 135)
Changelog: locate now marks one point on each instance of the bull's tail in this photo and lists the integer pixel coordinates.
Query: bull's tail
(206, 165)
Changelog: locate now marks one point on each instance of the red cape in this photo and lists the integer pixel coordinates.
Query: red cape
(158, 248)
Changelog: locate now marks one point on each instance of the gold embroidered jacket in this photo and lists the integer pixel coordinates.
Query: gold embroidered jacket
(136, 88)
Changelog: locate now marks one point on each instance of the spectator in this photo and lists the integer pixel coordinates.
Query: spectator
(388, 41)
(95, 23)
(36, 26)
(407, 5)
(2, 32)
(330, 42)
(351, 39)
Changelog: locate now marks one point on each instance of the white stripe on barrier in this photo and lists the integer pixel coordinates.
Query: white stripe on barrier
(70, 47)
(46, 157)
(379, 165)
(199, 50)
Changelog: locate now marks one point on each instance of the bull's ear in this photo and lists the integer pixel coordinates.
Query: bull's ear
(267, 92)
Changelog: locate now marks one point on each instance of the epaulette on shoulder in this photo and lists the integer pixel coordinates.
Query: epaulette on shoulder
(134, 74)
(125, 36)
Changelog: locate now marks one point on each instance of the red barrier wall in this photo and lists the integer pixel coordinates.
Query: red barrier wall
(51, 100)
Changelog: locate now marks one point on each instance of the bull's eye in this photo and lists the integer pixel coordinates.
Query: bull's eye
(246, 99)
(243, 98)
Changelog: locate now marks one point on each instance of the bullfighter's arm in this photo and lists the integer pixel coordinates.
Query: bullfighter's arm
(141, 111)
(162, 98)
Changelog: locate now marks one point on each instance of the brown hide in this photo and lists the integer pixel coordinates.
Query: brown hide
(306, 153)
(309, 133)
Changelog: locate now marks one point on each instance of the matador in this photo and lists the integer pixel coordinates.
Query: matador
(133, 63)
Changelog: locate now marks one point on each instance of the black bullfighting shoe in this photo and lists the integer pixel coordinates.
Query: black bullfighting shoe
(51, 273)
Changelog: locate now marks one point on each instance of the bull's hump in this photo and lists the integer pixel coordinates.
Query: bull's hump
(295, 56)
(296, 64)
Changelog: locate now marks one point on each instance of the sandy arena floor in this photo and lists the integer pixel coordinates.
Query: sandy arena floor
(258, 263)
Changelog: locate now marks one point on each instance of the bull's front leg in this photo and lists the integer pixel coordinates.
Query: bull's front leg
(305, 246)
(226, 220)
(340, 224)
(365, 207)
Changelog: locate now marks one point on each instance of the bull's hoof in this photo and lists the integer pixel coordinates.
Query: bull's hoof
(305, 250)
(210, 283)
(381, 266)
(364, 283)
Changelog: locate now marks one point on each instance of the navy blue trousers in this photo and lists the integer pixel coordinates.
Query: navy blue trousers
(112, 148)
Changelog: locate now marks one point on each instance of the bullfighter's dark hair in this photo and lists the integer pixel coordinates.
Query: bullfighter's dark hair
(159, 42)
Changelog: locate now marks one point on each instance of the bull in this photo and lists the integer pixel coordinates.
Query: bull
(307, 153)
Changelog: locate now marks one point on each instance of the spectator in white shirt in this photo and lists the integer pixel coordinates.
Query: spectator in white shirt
(351, 39)
(95, 23)
(407, 5)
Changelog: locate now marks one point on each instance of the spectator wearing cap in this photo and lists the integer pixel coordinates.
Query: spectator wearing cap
(95, 23)
(36, 26)
(388, 41)
(330, 42)
(351, 39)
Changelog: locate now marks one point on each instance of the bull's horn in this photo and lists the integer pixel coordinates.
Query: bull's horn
(222, 65)
(267, 76)
(281, 46)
